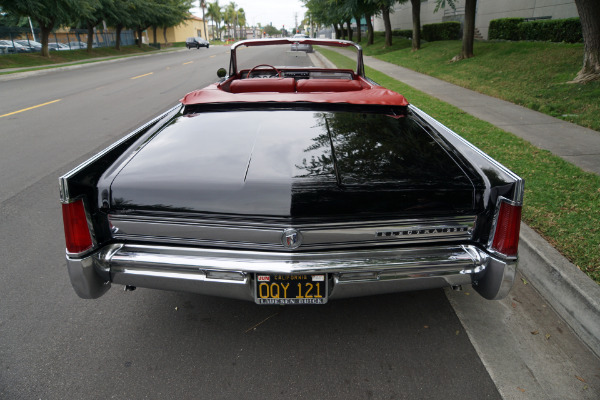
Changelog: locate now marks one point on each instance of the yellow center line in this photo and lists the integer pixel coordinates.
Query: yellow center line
(212, 56)
(30, 108)
(139, 76)
(189, 62)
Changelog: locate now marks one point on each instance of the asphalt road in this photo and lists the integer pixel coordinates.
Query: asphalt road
(154, 344)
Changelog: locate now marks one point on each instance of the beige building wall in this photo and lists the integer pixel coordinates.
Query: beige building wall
(487, 10)
(191, 27)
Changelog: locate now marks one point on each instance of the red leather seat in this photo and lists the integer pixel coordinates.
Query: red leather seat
(281, 85)
(327, 85)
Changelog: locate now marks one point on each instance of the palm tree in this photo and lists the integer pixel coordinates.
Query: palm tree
(241, 20)
(214, 12)
(203, 6)
(230, 17)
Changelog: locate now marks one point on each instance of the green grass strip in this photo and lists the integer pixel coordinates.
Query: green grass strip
(562, 202)
(530, 74)
(35, 60)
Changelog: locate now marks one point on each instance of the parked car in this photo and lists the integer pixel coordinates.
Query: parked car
(58, 46)
(32, 45)
(300, 45)
(76, 45)
(196, 42)
(285, 185)
(13, 47)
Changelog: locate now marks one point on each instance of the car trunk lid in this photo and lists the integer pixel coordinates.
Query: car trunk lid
(294, 164)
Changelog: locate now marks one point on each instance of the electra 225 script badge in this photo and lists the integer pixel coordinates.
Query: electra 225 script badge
(291, 289)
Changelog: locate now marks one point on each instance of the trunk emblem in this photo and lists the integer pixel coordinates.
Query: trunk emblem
(291, 239)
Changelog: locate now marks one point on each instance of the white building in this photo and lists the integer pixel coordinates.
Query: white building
(487, 10)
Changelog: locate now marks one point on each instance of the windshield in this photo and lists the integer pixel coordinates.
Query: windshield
(275, 55)
(281, 55)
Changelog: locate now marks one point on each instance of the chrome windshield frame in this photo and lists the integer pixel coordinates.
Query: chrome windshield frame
(233, 67)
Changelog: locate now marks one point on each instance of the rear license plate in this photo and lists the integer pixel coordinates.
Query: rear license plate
(290, 289)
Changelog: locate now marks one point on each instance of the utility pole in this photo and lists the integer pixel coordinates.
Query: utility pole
(295, 22)
(31, 26)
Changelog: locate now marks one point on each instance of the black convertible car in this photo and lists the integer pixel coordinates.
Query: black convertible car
(291, 185)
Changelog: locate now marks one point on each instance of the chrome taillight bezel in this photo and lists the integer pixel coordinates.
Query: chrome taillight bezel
(494, 231)
(77, 251)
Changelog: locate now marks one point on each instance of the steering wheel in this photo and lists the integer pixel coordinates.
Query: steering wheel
(264, 65)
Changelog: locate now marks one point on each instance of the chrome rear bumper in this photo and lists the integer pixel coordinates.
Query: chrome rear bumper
(230, 273)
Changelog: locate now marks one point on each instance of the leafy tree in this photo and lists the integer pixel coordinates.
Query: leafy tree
(92, 15)
(271, 30)
(385, 8)
(48, 14)
(10, 20)
(173, 13)
(327, 12)
(589, 14)
(147, 14)
(122, 14)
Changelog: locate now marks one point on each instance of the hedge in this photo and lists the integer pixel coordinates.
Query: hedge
(547, 30)
(552, 30)
(441, 31)
(505, 28)
(407, 33)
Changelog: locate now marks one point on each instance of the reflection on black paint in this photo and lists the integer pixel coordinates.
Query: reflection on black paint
(386, 165)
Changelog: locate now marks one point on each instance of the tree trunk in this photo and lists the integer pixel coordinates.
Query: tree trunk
(589, 14)
(45, 31)
(385, 13)
(337, 31)
(370, 35)
(139, 31)
(416, 20)
(154, 29)
(349, 25)
(203, 5)
(358, 30)
(165, 34)
(118, 28)
(468, 31)
(90, 35)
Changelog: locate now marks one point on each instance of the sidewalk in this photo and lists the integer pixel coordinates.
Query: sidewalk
(578, 145)
(572, 294)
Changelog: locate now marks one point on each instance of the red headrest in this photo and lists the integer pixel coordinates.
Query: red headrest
(327, 85)
(280, 85)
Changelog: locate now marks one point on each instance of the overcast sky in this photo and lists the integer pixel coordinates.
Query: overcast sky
(278, 12)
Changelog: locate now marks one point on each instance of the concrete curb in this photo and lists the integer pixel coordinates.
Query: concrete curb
(572, 294)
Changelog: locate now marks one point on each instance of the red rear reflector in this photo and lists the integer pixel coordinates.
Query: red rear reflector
(506, 238)
(77, 233)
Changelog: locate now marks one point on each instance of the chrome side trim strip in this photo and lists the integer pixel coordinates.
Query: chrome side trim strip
(519, 182)
(238, 234)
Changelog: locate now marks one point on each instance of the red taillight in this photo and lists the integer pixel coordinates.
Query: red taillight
(77, 233)
(506, 237)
